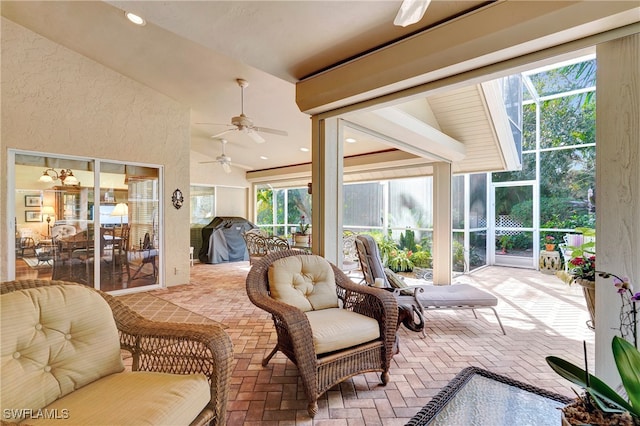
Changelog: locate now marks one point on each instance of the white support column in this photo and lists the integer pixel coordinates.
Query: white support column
(326, 178)
(442, 244)
(617, 187)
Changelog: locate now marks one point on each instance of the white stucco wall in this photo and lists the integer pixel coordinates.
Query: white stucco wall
(57, 101)
(617, 187)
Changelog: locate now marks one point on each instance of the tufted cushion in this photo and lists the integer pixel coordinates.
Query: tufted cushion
(54, 341)
(134, 398)
(335, 329)
(306, 282)
(62, 231)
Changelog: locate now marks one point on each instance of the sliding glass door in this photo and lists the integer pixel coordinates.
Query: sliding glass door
(88, 221)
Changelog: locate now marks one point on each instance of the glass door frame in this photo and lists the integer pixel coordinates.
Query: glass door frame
(517, 261)
(10, 206)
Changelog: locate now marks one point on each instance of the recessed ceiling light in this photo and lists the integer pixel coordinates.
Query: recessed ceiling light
(135, 18)
(304, 149)
(350, 140)
(262, 157)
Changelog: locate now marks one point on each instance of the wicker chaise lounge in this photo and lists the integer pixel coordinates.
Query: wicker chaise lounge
(61, 353)
(330, 327)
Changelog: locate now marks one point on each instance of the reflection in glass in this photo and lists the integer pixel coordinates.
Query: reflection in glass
(363, 204)
(457, 204)
(92, 233)
(478, 201)
(410, 203)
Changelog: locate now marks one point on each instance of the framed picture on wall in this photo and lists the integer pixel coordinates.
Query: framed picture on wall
(32, 216)
(32, 201)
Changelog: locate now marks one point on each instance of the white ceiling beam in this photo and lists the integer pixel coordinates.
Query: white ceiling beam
(503, 135)
(410, 134)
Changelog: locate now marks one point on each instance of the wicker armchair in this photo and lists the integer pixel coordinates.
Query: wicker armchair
(177, 348)
(319, 372)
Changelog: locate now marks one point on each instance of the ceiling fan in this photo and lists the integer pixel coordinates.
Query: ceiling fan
(222, 159)
(244, 124)
(411, 11)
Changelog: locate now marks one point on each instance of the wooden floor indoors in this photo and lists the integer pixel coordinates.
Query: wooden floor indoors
(541, 314)
(44, 270)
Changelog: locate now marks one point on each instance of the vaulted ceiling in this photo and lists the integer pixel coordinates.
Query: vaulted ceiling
(193, 51)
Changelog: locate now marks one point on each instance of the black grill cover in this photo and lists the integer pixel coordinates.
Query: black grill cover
(222, 240)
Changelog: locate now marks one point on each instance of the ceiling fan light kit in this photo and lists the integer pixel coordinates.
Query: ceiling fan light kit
(245, 124)
(411, 12)
(224, 161)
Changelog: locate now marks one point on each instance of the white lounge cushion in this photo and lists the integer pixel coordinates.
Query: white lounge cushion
(455, 295)
(306, 282)
(334, 329)
(54, 341)
(134, 398)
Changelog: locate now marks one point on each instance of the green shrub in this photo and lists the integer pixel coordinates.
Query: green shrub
(421, 259)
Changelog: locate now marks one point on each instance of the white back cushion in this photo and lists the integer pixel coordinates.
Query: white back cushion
(306, 282)
(54, 340)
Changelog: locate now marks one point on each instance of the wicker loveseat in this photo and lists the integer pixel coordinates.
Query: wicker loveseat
(62, 361)
(329, 326)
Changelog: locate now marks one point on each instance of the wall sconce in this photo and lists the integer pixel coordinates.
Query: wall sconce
(51, 175)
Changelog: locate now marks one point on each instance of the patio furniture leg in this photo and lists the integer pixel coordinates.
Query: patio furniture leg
(498, 318)
(266, 360)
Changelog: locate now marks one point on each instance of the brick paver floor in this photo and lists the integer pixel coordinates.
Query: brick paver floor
(541, 314)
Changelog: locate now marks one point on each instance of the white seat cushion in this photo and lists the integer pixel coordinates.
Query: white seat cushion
(455, 295)
(334, 329)
(134, 398)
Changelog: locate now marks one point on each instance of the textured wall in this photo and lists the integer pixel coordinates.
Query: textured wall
(617, 186)
(57, 101)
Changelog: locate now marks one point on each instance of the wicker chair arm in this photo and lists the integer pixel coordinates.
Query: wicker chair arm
(382, 301)
(373, 302)
(178, 348)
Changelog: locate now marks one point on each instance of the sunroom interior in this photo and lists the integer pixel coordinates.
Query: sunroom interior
(396, 120)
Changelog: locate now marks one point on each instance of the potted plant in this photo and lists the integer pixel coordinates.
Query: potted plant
(302, 236)
(582, 267)
(505, 243)
(600, 404)
(549, 243)
(400, 261)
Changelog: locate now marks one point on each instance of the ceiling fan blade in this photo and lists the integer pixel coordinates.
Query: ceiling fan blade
(222, 133)
(272, 131)
(411, 11)
(216, 124)
(255, 136)
(240, 166)
(226, 167)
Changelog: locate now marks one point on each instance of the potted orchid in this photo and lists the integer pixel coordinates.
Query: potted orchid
(600, 404)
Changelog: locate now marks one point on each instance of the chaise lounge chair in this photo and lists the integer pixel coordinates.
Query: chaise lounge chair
(423, 297)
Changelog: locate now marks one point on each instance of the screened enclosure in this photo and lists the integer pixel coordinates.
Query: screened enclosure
(497, 218)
